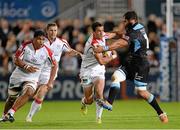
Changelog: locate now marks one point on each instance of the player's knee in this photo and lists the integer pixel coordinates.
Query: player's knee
(143, 93)
(28, 92)
(118, 76)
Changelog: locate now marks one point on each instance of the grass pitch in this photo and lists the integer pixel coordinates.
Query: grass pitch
(126, 114)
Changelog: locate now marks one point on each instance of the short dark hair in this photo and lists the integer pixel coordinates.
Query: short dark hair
(95, 25)
(51, 24)
(130, 15)
(38, 33)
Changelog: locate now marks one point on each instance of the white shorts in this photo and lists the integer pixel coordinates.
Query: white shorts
(15, 88)
(89, 75)
(44, 77)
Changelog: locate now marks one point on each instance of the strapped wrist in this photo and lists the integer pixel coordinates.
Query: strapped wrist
(26, 66)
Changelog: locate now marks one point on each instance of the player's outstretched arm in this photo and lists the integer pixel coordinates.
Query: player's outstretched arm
(75, 53)
(120, 43)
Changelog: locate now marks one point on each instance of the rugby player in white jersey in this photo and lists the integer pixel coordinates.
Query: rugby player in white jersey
(58, 46)
(92, 72)
(30, 57)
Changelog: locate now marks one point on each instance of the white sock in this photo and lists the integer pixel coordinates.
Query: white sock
(99, 110)
(35, 107)
(11, 111)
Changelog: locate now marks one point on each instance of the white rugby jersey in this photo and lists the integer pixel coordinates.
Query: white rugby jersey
(89, 59)
(57, 47)
(32, 57)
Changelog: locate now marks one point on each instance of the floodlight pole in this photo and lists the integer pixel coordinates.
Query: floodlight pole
(169, 17)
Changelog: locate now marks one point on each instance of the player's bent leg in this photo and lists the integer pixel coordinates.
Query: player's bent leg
(21, 100)
(99, 111)
(99, 83)
(83, 109)
(13, 94)
(9, 103)
(87, 99)
(117, 77)
(141, 90)
(37, 103)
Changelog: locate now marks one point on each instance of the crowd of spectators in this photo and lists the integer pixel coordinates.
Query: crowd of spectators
(76, 32)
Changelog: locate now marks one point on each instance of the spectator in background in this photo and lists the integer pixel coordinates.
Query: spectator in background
(86, 25)
(69, 64)
(152, 59)
(79, 46)
(10, 49)
(75, 37)
(25, 34)
(151, 25)
(5, 29)
(38, 25)
(16, 26)
(68, 30)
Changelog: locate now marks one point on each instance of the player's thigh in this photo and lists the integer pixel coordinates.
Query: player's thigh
(141, 77)
(99, 84)
(14, 89)
(29, 88)
(43, 78)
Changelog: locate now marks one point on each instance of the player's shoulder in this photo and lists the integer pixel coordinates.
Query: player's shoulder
(26, 43)
(62, 40)
(138, 26)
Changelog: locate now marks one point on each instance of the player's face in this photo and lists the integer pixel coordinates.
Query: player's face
(39, 41)
(126, 22)
(52, 32)
(99, 32)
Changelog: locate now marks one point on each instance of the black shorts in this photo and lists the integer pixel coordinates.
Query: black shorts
(136, 69)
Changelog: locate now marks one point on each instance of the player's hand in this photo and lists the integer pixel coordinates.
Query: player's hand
(49, 86)
(98, 49)
(78, 53)
(31, 69)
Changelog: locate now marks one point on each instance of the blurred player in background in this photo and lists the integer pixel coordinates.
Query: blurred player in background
(92, 72)
(30, 57)
(136, 67)
(58, 46)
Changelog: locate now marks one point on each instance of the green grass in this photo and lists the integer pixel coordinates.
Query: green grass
(126, 114)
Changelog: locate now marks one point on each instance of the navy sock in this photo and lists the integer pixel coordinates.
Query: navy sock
(114, 90)
(156, 106)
